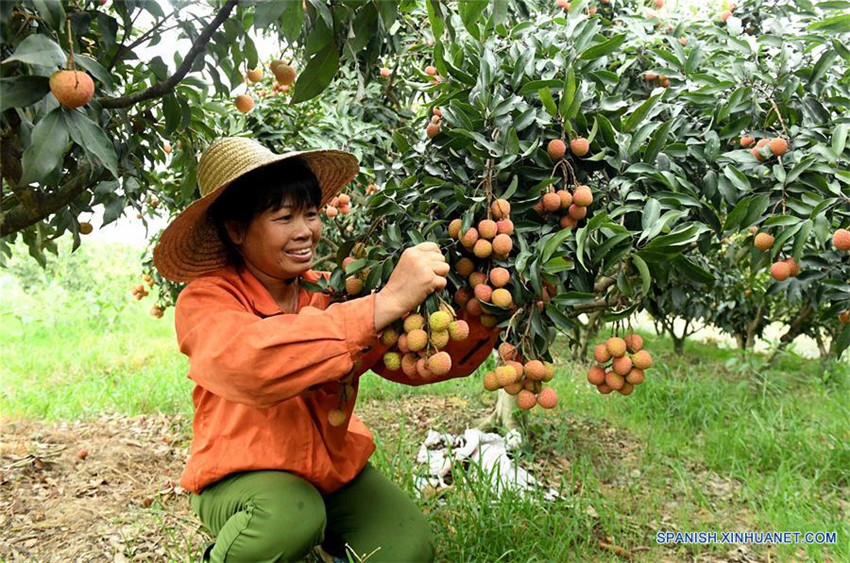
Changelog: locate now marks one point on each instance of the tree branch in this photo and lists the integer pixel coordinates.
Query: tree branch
(167, 86)
(22, 216)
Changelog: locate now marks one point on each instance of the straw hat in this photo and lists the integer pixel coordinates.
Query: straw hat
(190, 245)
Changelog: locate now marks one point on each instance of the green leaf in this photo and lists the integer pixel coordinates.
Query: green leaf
(800, 239)
(646, 279)
(738, 179)
(49, 141)
(22, 91)
(692, 270)
(651, 212)
(92, 139)
(95, 69)
(291, 21)
(317, 74)
(269, 11)
(839, 138)
(551, 245)
(558, 317)
(39, 50)
(548, 102)
(604, 48)
(51, 12)
(657, 142)
(836, 24)
(470, 13)
(568, 92)
(640, 113)
(435, 18)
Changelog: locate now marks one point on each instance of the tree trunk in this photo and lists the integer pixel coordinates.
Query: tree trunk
(678, 344)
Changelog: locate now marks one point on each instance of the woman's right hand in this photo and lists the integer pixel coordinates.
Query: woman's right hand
(421, 270)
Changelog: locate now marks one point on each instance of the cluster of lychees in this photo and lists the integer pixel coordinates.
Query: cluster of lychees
(782, 269)
(778, 146)
(491, 240)
(436, 123)
(572, 207)
(139, 291)
(524, 379)
(339, 204)
(627, 368)
(418, 351)
(372, 189)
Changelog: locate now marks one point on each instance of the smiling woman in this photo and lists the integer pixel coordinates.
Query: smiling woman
(279, 461)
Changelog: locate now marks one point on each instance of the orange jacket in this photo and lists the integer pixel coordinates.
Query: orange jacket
(265, 380)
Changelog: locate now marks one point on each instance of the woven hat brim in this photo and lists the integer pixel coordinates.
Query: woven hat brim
(190, 246)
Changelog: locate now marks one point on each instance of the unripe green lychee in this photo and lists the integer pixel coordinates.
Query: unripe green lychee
(525, 400)
(547, 398)
(499, 277)
(487, 228)
(505, 375)
(464, 267)
(440, 338)
(413, 321)
(622, 366)
(535, 370)
(566, 199)
(483, 248)
(642, 359)
(483, 292)
(489, 321)
(439, 320)
(596, 375)
(408, 364)
(440, 363)
(583, 196)
(636, 376)
(454, 228)
(501, 298)
(616, 346)
(392, 360)
(601, 354)
(417, 339)
(614, 380)
(490, 381)
(502, 244)
(507, 351)
(634, 342)
(551, 202)
(458, 330)
(389, 336)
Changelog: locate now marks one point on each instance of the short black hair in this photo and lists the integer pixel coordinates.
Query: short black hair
(260, 190)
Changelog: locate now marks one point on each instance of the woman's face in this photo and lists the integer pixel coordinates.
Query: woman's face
(270, 239)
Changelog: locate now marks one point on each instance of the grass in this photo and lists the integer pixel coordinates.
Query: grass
(709, 442)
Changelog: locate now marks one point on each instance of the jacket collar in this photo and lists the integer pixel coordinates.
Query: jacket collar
(261, 300)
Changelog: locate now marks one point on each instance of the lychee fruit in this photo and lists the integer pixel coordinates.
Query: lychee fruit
(440, 363)
(763, 241)
(551, 202)
(626, 389)
(422, 369)
(642, 360)
(402, 344)
(502, 244)
(601, 354)
(244, 103)
(635, 376)
(462, 296)
(440, 338)
(576, 212)
(616, 346)
(566, 198)
(454, 228)
(550, 371)
(507, 351)
(483, 292)
(417, 339)
(499, 277)
(534, 369)
(337, 417)
(614, 380)
(513, 388)
(490, 381)
(792, 264)
(505, 375)
(525, 400)
(353, 285)
(439, 320)
(579, 146)
(476, 278)
(567, 222)
(458, 330)
(604, 388)
(650, 77)
(501, 298)
(432, 130)
(487, 228)
(408, 364)
(392, 360)
(488, 320)
(634, 342)
(596, 375)
(284, 73)
(725, 15)
(841, 240)
(500, 209)
(473, 307)
(780, 271)
(582, 197)
(482, 249)
(622, 365)
(547, 398)
(746, 142)
(778, 146)
(464, 267)
(556, 149)
(469, 238)
(72, 88)
(413, 321)
(505, 226)
(86, 228)
(517, 367)
(389, 336)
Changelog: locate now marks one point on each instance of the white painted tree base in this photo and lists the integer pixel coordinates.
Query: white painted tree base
(501, 418)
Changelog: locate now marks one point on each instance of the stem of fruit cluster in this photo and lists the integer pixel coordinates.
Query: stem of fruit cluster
(70, 62)
(779, 115)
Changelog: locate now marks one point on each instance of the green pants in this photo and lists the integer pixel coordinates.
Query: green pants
(276, 516)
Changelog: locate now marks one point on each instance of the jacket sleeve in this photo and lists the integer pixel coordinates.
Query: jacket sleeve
(466, 355)
(259, 361)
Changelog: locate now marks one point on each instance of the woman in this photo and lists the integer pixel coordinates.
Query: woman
(269, 474)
